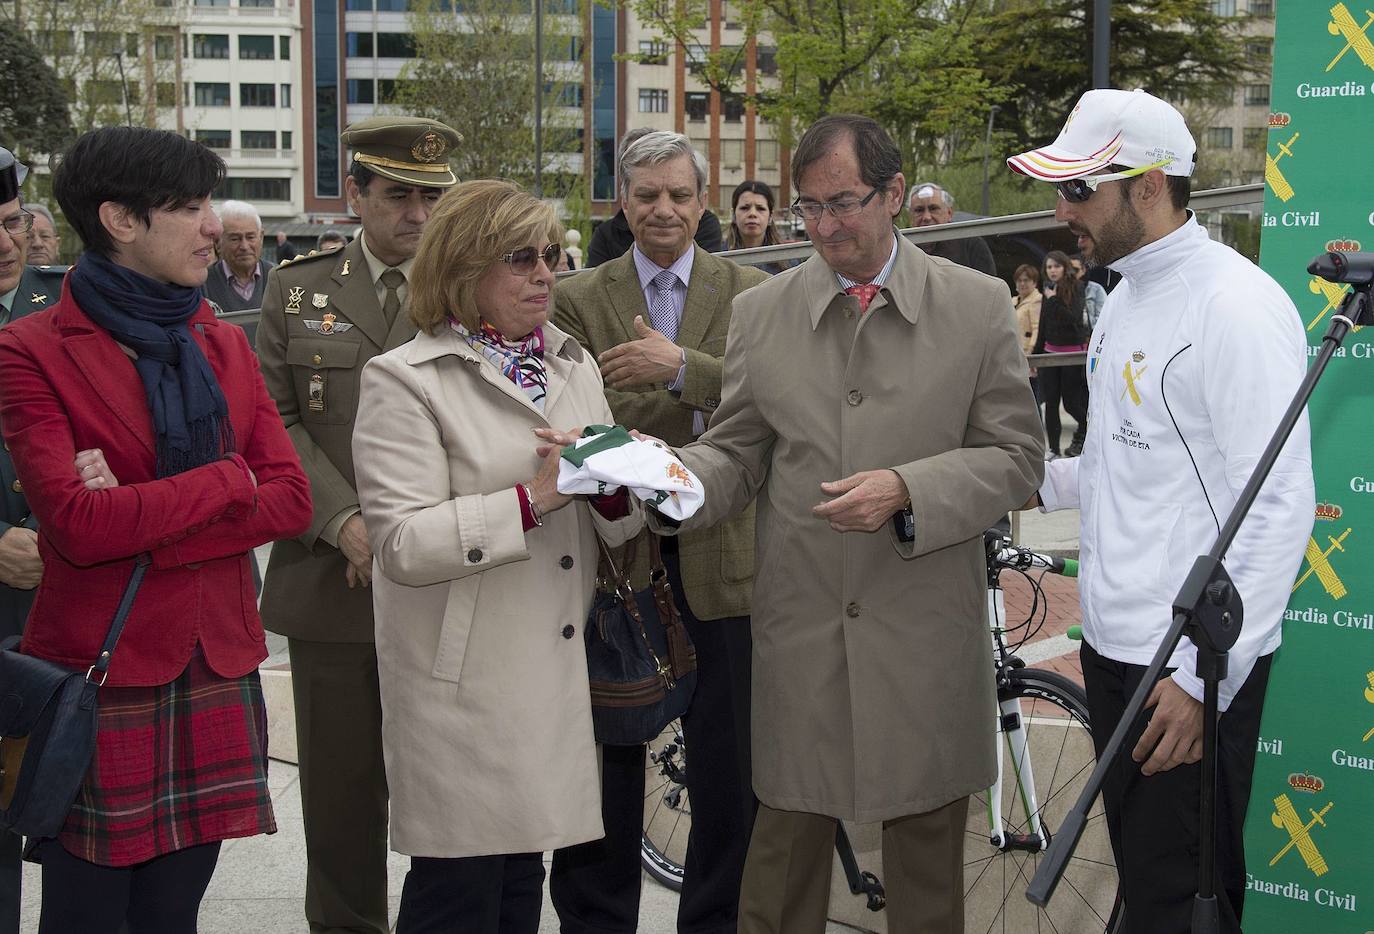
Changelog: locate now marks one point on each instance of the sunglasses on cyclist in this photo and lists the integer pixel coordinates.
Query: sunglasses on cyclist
(1078, 190)
(523, 260)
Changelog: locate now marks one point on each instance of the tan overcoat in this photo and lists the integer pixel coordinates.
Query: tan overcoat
(486, 716)
(873, 692)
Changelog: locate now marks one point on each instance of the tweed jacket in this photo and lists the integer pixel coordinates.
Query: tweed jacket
(873, 693)
(313, 373)
(598, 308)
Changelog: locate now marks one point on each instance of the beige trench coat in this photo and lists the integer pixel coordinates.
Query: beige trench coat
(486, 716)
(873, 692)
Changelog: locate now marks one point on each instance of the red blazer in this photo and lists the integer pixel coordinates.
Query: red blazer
(66, 386)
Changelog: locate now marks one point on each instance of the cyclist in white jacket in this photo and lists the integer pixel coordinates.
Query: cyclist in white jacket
(1195, 358)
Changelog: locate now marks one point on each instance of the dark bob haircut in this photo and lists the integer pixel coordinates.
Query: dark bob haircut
(879, 158)
(141, 169)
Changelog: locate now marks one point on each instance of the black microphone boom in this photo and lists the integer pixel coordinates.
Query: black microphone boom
(1354, 268)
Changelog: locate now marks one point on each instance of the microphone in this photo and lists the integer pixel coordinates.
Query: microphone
(1354, 268)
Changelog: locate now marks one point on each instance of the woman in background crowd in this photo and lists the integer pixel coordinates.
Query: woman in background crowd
(1063, 329)
(751, 222)
(1028, 298)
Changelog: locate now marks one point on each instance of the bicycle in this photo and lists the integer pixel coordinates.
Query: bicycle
(1044, 756)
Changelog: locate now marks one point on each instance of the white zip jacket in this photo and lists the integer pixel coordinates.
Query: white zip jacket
(1196, 356)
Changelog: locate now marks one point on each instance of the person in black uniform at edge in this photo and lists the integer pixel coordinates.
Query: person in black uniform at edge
(23, 289)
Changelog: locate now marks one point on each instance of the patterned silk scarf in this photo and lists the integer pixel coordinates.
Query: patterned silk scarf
(522, 361)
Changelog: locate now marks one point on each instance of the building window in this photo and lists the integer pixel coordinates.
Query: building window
(212, 94)
(219, 3)
(55, 41)
(394, 6)
(166, 94)
(698, 105)
(1256, 94)
(766, 153)
(570, 95)
(358, 44)
(653, 52)
(1254, 137)
(210, 46)
(358, 5)
(732, 153)
(258, 139)
(387, 89)
(1259, 50)
(284, 52)
(215, 139)
(1261, 7)
(1217, 137)
(286, 95)
(733, 105)
(395, 45)
(286, 139)
(702, 145)
(112, 43)
(256, 48)
(164, 46)
(257, 95)
(255, 189)
(767, 60)
(107, 92)
(258, 3)
(1224, 7)
(361, 91)
(653, 101)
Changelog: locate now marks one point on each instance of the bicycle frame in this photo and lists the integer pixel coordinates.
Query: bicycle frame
(1010, 724)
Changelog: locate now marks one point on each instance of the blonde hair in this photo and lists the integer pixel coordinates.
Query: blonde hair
(471, 228)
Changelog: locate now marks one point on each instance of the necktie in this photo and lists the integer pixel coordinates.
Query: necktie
(661, 314)
(393, 279)
(864, 293)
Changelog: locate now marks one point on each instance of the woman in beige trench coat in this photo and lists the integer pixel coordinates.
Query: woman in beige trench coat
(484, 572)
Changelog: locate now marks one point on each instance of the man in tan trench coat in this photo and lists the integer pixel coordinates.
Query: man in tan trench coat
(323, 317)
(900, 410)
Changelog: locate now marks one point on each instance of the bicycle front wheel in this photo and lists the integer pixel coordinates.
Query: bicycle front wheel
(1047, 758)
(667, 808)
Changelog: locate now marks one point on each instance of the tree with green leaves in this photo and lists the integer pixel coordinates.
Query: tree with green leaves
(474, 70)
(33, 107)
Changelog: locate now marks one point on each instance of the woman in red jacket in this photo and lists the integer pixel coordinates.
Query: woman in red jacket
(139, 425)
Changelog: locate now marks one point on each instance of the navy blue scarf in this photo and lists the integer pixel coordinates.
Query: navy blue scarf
(190, 414)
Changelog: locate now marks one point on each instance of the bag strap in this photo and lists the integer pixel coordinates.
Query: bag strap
(96, 674)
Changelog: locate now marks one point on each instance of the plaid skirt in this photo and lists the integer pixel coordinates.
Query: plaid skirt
(175, 766)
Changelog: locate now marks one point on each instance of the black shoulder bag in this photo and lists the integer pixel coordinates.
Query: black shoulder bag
(640, 660)
(47, 727)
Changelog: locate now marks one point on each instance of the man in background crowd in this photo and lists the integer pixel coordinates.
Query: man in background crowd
(239, 280)
(285, 248)
(44, 243)
(930, 206)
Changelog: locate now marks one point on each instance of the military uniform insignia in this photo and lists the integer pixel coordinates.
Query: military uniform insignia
(38, 298)
(315, 401)
(429, 147)
(347, 263)
(319, 300)
(329, 324)
(294, 297)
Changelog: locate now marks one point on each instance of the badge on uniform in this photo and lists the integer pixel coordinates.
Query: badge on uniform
(38, 298)
(329, 324)
(294, 297)
(347, 263)
(319, 300)
(316, 397)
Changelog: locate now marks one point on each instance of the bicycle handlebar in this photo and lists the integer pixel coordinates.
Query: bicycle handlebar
(1003, 555)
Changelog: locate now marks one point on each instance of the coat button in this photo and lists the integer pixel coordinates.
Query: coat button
(17, 486)
(852, 610)
(565, 562)
(475, 556)
(569, 631)
(317, 359)
(854, 397)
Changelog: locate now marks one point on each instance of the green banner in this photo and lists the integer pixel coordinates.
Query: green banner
(1308, 836)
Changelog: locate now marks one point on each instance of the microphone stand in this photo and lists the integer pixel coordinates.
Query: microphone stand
(1208, 610)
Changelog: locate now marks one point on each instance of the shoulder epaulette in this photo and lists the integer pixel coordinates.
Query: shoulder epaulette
(302, 257)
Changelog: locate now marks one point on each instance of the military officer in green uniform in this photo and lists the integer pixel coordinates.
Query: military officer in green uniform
(323, 317)
(23, 289)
